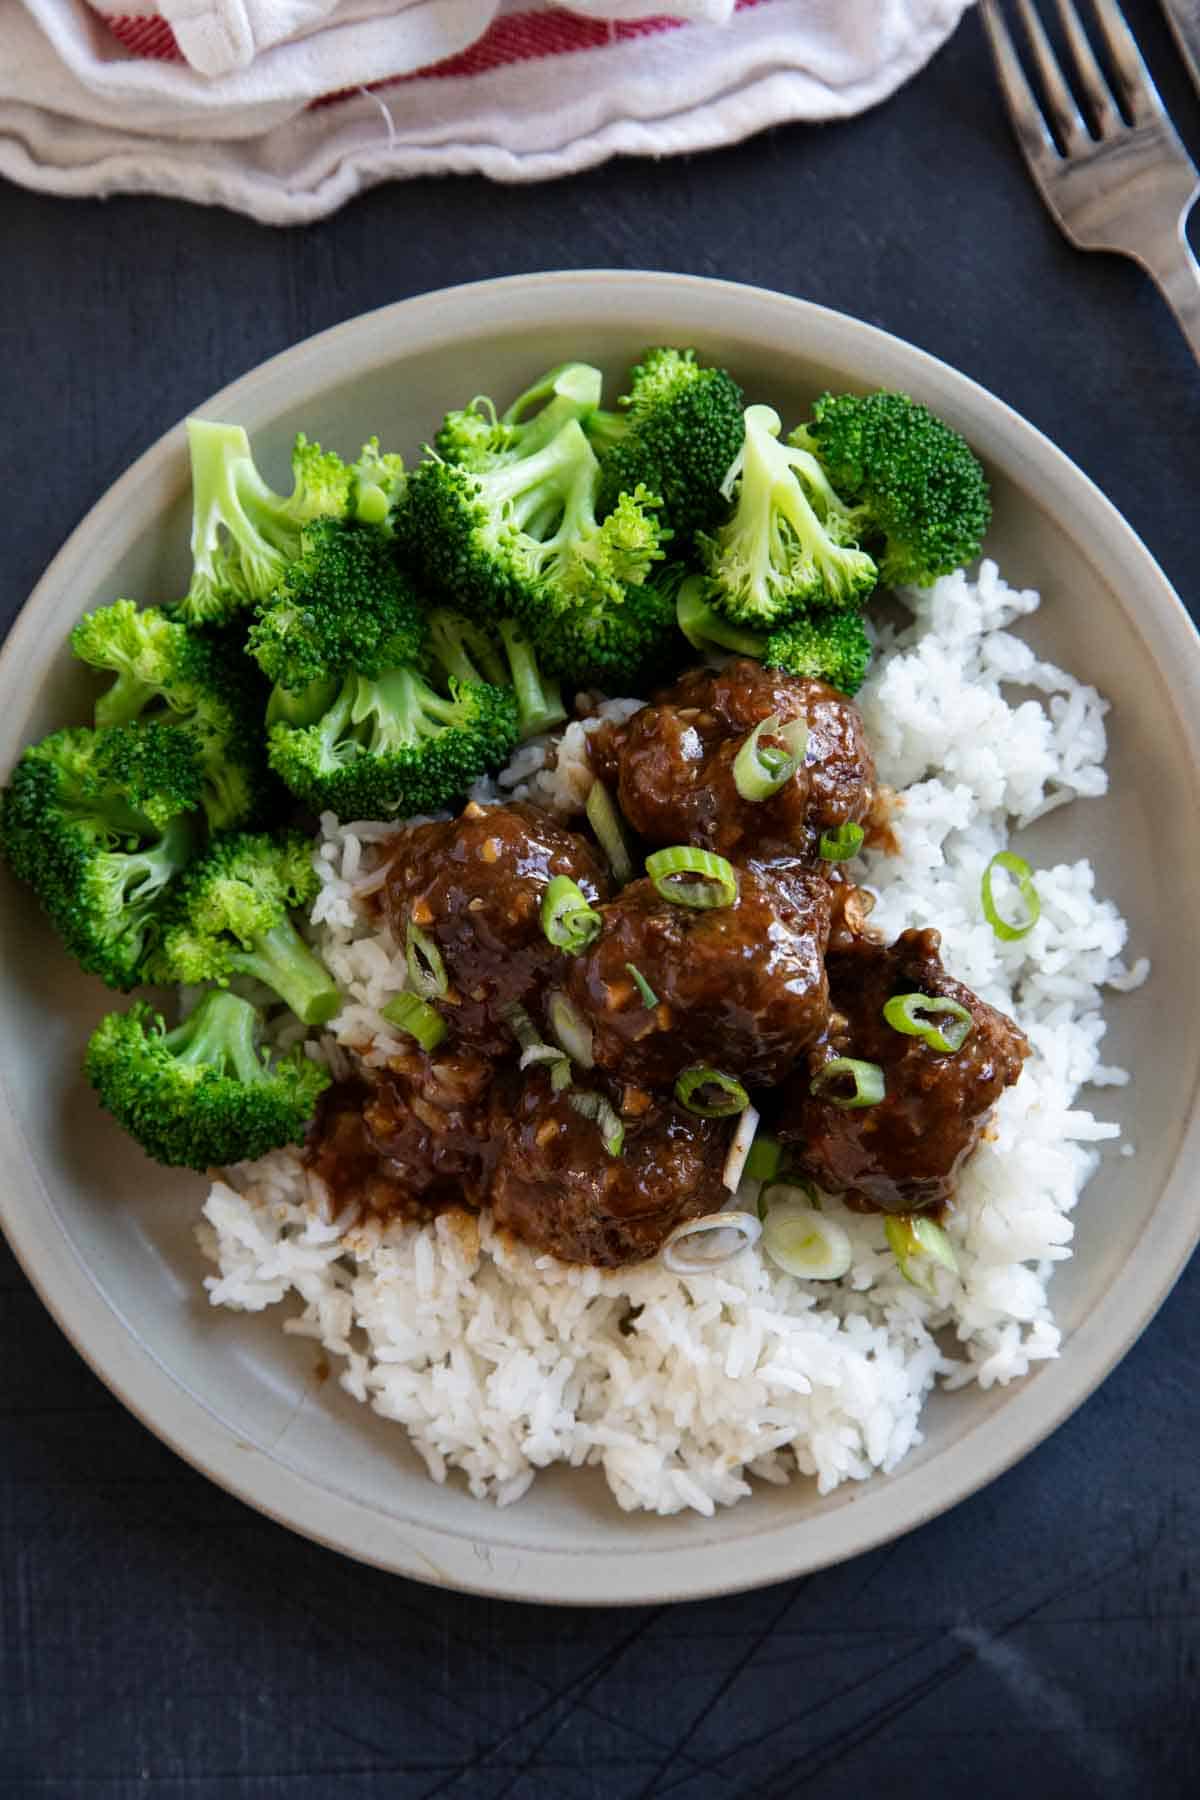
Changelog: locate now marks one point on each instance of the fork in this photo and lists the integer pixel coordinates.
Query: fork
(1122, 181)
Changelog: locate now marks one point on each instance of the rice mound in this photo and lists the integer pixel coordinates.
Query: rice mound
(500, 1361)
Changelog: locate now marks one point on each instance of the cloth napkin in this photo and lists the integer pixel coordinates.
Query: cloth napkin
(283, 109)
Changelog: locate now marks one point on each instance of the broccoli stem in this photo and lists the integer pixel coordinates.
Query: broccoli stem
(125, 700)
(282, 961)
(703, 626)
(539, 699)
(571, 391)
(463, 649)
(219, 1032)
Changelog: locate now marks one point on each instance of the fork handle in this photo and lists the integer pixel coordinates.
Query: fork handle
(1177, 274)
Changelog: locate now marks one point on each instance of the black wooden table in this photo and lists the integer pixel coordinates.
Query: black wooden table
(159, 1639)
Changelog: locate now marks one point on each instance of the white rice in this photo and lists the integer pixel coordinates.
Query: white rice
(501, 1362)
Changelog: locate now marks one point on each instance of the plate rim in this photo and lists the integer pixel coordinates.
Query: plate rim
(130, 1367)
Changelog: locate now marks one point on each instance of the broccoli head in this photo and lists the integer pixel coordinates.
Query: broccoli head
(609, 619)
(828, 644)
(919, 496)
(393, 746)
(100, 823)
(476, 437)
(465, 651)
(178, 674)
(201, 1096)
(790, 543)
(344, 603)
(230, 917)
(679, 430)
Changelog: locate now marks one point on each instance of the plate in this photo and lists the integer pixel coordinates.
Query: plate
(108, 1240)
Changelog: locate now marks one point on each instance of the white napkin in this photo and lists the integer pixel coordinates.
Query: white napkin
(262, 105)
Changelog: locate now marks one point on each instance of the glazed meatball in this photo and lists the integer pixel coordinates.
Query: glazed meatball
(740, 988)
(558, 1190)
(475, 886)
(673, 763)
(417, 1137)
(903, 1154)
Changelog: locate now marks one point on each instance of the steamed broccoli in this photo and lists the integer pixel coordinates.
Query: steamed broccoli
(830, 645)
(342, 604)
(609, 620)
(919, 496)
(677, 435)
(790, 544)
(176, 673)
(475, 437)
(99, 823)
(465, 651)
(376, 485)
(202, 1095)
(393, 746)
(230, 917)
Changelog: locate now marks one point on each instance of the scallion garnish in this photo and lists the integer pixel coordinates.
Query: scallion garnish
(764, 1159)
(560, 1075)
(568, 921)
(797, 1191)
(916, 1242)
(715, 883)
(595, 1106)
(571, 1030)
(903, 1012)
(605, 821)
(521, 1026)
(805, 1243)
(711, 1094)
(760, 767)
(426, 970)
(1022, 874)
(649, 997)
(726, 1234)
(869, 1083)
(414, 1016)
(846, 841)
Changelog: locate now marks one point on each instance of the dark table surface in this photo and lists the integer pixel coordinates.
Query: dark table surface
(159, 1638)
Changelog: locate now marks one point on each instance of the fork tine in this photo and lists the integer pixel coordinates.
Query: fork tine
(1064, 114)
(1137, 84)
(1088, 71)
(1037, 146)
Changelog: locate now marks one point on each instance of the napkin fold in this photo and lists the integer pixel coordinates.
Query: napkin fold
(283, 109)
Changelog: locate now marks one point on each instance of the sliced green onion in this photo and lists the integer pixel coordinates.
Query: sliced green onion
(903, 1013)
(805, 1243)
(710, 1241)
(760, 770)
(799, 1191)
(540, 1053)
(916, 1243)
(1022, 874)
(765, 1158)
(716, 884)
(571, 1030)
(607, 824)
(414, 1016)
(426, 970)
(649, 997)
(847, 840)
(869, 1084)
(560, 1075)
(710, 1094)
(567, 920)
(595, 1106)
(521, 1026)
(739, 1150)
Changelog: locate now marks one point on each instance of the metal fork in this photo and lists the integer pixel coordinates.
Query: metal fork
(1110, 184)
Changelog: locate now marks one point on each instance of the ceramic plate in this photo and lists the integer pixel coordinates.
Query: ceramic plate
(108, 1240)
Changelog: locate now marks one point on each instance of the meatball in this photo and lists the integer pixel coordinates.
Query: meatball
(475, 886)
(903, 1154)
(416, 1138)
(674, 763)
(740, 988)
(557, 1188)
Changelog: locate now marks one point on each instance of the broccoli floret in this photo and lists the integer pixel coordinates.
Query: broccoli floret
(920, 496)
(343, 604)
(377, 485)
(393, 747)
(475, 437)
(322, 483)
(683, 429)
(609, 619)
(99, 823)
(230, 917)
(201, 1096)
(491, 538)
(827, 644)
(465, 651)
(177, 673)
(790, 543)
